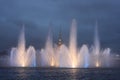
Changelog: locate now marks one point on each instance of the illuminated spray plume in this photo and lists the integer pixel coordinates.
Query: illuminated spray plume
(60, 55)
(73, 45)
(22, 57)
(96, 46)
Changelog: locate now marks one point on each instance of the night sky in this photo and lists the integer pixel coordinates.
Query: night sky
(39, 16)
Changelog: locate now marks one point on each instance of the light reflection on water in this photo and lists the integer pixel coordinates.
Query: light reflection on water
(58, 74)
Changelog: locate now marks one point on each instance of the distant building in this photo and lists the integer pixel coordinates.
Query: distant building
(60, 41)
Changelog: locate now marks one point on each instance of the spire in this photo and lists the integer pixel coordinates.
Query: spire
(60, 41)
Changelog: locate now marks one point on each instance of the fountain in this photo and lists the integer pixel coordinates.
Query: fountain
(73, 45)
(61, 55)
(21, 57)
(47, 54)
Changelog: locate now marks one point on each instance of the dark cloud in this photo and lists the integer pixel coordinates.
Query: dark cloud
(36, 15)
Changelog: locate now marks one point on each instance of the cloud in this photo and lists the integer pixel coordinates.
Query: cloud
(37, 14)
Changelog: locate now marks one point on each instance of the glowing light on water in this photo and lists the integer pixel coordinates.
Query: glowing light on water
(97, 64)
(73, 66)
(23, 65)
(52, 62)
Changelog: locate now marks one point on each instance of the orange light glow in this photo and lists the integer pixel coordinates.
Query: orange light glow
(97, 64)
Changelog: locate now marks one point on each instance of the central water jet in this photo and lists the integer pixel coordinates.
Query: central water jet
(73, 44)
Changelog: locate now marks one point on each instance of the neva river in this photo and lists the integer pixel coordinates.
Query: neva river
(59, 74)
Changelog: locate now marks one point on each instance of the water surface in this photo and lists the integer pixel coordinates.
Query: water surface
(59, 74)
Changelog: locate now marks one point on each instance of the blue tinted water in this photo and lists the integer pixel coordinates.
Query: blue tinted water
(58, 74)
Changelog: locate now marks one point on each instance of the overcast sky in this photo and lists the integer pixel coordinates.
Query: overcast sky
(39, 15)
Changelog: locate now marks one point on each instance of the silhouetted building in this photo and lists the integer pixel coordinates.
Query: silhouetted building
(60, 41)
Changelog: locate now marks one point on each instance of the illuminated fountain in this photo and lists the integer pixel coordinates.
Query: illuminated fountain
(73, 45)
(21, 57)
(61, 55)
(96, 50)
(47, 54)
